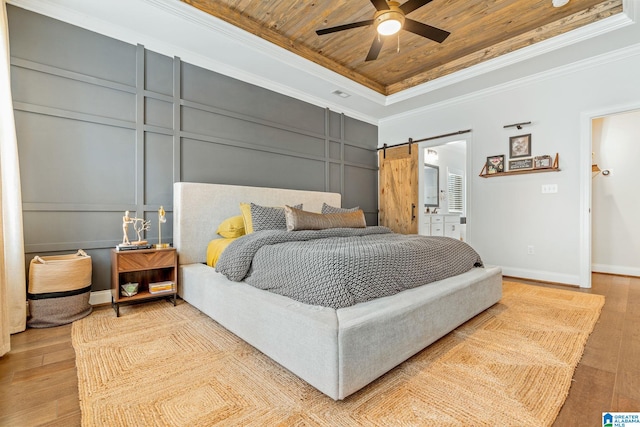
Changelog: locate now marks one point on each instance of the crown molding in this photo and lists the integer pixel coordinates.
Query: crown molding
(575, 36)
(260, 45)
(593, 61)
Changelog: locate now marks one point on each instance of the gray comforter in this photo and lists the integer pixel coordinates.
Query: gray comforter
(343, 266)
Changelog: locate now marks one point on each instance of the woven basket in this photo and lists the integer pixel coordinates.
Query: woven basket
(59, 289)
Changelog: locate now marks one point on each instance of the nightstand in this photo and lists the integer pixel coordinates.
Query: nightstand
(154, 270)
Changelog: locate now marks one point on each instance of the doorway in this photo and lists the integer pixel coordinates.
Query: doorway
(447, 195)
(615, 232)
(608, 201)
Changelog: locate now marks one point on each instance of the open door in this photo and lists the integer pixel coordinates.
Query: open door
(398, 187)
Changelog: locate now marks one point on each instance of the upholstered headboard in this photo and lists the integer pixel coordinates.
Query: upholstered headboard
(198, 209)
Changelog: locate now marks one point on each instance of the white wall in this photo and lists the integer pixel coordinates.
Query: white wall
(616, 199)
(508, 214)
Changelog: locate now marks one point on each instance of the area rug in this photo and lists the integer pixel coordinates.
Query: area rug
(162, 365)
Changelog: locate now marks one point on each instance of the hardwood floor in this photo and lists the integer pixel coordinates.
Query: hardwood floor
(608, 375)
(38, 383)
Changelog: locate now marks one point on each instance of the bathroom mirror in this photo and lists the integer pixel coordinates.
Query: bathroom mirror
(431, 185)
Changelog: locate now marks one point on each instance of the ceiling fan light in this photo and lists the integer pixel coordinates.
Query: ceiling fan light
(559, 3)
(389, 27)
(389, 22)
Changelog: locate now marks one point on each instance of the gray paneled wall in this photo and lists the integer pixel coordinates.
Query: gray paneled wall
(104, 127)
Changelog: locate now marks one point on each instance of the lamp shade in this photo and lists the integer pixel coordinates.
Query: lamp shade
(389, 21)
(389, 27)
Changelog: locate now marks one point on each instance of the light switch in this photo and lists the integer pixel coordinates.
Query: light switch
(549, 188)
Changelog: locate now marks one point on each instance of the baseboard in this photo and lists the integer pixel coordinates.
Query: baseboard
(543, 276)
(615, 269)
(100, 297)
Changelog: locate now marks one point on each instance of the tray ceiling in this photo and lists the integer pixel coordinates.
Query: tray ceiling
(480, 30)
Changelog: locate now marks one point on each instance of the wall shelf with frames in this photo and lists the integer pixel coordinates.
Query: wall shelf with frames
(554, 168)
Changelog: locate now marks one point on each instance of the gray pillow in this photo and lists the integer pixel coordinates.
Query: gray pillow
(327, 209)
(269, 218)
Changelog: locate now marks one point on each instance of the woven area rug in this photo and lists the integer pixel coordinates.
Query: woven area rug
(162, 365)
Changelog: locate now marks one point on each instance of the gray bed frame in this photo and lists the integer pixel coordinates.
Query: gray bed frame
(336, 351)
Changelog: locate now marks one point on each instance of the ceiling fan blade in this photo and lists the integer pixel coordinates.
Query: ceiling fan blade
(344, 27)
(412, 5)
(374, 51)
(424, 30)
(380, 4)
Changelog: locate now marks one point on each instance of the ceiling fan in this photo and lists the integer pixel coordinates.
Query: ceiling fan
(389, 19)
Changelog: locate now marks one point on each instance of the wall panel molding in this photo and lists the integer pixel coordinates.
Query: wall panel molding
(59, 72)
(72, 115)
(238, 134)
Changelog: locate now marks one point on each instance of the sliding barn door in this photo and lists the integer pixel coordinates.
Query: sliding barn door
(398, 183)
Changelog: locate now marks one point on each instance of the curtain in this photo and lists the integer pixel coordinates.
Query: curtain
(12, 265)
(5, 339)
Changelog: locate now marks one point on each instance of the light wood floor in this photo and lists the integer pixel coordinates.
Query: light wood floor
(38, 383)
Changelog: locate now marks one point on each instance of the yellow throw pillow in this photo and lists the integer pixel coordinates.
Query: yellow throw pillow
(245, 208)
(215, 249)
(232, 227)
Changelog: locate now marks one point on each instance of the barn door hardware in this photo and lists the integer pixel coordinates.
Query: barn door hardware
(411, 141)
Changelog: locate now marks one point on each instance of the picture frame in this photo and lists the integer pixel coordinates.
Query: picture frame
(495, 164)
(542, 162)
(521, 164)
(520, 146)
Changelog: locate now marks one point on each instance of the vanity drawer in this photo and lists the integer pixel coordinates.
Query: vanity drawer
(437, 219)
(437, 230)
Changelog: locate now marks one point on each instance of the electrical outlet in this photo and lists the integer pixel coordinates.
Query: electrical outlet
(530, 250)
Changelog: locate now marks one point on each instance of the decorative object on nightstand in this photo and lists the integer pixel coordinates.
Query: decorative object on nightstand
(161, 287)
(139, 225)
(126, 220)
(162, 218)
(129, 289)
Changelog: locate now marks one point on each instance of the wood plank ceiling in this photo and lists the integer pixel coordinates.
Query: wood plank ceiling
(480, 30)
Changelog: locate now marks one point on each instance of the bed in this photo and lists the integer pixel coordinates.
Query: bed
(337, 351)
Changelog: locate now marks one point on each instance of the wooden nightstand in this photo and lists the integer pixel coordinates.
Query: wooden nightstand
(147, 267)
